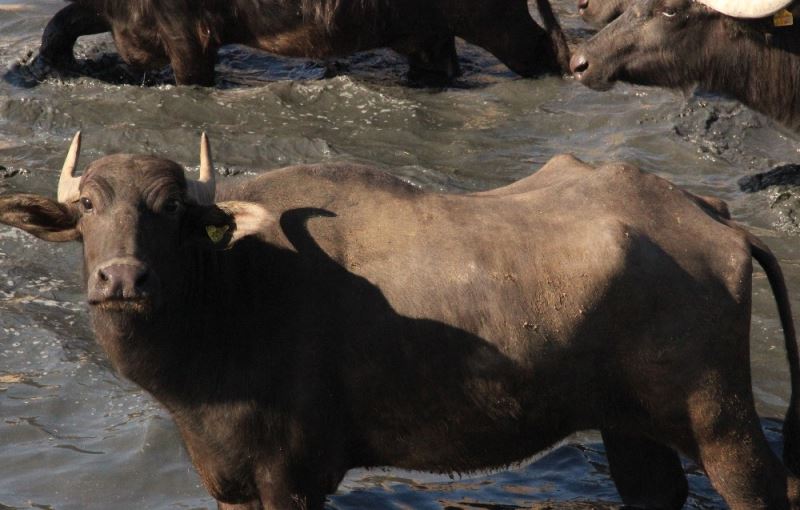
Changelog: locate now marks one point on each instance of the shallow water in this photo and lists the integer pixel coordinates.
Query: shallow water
(75, 436)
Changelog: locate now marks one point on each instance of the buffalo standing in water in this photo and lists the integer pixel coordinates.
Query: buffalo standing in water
(187, 33)
(319, 318)
(747, 49)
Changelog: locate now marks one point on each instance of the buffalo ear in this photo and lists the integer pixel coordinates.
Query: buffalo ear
(40, 216)
(223, 224)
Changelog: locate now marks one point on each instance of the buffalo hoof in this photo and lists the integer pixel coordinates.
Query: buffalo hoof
(64, 62)
(43, 68)
(419, 76)
(334, 68)
(425, 79)
(36, 70)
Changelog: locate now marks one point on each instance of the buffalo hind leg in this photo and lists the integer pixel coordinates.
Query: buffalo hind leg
(647, 474)
(731, 447)
(62, 32)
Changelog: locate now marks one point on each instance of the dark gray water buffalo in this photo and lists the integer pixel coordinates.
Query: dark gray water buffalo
(319, 318)
(750, 53)
(187, 33)
(600, 13)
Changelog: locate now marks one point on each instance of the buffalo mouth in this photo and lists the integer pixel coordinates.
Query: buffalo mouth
(585, 70)
(599, 85)
(594, 81)
(135, 305)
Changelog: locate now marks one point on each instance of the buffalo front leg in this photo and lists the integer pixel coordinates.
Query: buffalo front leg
(303, 487)
(62, 32)
(647, 474)
(191, 58)
(193, 66)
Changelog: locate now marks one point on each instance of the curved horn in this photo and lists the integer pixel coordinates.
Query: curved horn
(204, 188)
(747, 8)
(68, 184)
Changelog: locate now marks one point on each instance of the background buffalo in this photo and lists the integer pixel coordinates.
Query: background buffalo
(188, 33)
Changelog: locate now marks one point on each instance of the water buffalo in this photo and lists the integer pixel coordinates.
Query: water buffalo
(318, 318)
(600, 13)
(187, 33)
(752, 57)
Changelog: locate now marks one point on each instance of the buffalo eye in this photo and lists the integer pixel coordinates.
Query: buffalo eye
(669, 12)
(87, 204)
(171, 206)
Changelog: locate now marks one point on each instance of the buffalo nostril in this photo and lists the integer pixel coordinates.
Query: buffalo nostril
(583, 5)
(102, 276)
(141, 278)
(578, 63)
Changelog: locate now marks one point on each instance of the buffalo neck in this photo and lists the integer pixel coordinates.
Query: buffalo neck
(765, 77)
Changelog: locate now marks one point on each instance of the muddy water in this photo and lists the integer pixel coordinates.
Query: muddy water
(75, 436)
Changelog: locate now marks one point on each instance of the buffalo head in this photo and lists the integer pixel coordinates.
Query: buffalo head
(675, 43)
(141, 223)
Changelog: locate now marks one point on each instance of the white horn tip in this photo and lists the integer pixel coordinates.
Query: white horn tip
(68, 184)
(76, 140)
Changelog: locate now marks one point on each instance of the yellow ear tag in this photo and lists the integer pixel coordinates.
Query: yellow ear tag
(783, 18)
(216, 233)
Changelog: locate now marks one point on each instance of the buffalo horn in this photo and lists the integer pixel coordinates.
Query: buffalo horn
(747, 8)
(68, 184)
(204, 188)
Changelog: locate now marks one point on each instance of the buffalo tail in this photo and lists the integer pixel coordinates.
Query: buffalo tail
(791, 426)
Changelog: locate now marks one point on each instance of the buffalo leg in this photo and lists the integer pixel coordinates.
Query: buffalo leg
(647, 474)
(192, 60)
(732, 449)
(515, 39)
(434, 61)
(64, 29)
(280, 490)
(192, 64)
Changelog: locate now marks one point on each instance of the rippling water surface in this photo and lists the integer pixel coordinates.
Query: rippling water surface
(75, 436)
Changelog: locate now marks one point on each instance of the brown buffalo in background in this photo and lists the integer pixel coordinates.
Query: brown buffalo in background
(683, 43)
(187, 33)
